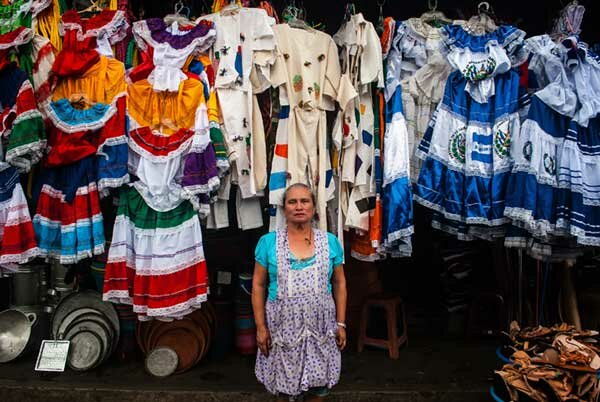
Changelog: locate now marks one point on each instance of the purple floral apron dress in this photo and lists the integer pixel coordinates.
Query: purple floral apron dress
(302, 324)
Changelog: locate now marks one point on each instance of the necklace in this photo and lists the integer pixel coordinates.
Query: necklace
(308, 239)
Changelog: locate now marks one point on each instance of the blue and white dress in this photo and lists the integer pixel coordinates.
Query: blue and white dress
(554, 189)
(467, 147)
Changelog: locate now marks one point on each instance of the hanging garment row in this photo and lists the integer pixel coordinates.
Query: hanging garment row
(495, 133)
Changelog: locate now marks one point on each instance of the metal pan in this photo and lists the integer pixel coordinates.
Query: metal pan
(162, 362)
(101, 320)
(15, 334)
(85, 351)
(89, 299)
(69, 318)
(97, 329)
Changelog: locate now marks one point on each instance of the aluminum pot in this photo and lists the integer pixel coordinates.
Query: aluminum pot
(16, 335)
(26, 287)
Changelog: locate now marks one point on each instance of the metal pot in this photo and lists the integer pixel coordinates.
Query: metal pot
(26, 287)
(17, 334)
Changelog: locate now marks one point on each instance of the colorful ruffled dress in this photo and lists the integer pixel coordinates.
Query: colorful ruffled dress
(35, 53)
(17, 238)
(467, 147)
(156, 258)
(88, 145)
(552, 193)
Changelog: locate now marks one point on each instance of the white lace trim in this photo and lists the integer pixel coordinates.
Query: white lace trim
(459, 218)
(402, 234)
(68, 259)
(24, 37)
(28, 115)
(115, 29)
(130, 260)
(21, 258)
(175, 312)
(71, 227)
(213, 184)
(55, 193)
(104, 185)
(147, 155)
(143, 38)
(73, 128)
(193, 221)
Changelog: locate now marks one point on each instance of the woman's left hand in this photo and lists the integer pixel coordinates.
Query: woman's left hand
(340, 338)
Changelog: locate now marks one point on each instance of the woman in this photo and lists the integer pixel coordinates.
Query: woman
(301, 327)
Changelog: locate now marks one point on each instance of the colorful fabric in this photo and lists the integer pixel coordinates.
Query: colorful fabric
(266, 255)
(171, 47)
(21, 122)
(68, 220)
(397, 194)
(302, 324)
(467, 147)
(167, 111)
(156, 260)
(101, 83)
(17, 237)
(84, 41)
(74, 134)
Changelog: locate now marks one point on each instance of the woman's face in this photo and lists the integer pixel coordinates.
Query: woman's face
(299, 207)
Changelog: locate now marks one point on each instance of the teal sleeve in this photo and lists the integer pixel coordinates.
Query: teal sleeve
(261, 252)
(336, 250)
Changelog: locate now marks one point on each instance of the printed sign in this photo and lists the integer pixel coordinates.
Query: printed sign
(52, 356)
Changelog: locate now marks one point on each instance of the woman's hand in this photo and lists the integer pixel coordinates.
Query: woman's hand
(340, 338)
(263, 339)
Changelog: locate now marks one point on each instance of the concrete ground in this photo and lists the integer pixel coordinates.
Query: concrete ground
(428, 370)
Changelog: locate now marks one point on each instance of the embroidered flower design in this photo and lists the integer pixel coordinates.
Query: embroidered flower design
(297, 82)
(457, 145)
(317, 88)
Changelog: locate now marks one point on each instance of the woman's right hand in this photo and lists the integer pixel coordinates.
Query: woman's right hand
(263, 339)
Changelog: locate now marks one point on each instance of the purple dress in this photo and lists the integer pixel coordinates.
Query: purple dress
(302, 323)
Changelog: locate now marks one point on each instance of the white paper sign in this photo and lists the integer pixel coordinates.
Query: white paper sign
(52, 356)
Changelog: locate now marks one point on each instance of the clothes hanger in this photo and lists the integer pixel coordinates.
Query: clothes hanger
(350, 10)
(482, 22)
(380, 19)
(293, 16)
(433, 17)
(93, 8)
(178, 16)
(232, 8)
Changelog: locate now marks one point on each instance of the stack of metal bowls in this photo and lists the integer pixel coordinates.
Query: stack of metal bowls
(91, 325)
(176, 346)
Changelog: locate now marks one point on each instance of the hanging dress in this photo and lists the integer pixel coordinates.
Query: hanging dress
(308, 67)
(556, 159)
(361, 56)
(156, 258)
(302, 324)
(87, 156)
(467, 148)
(17, 238)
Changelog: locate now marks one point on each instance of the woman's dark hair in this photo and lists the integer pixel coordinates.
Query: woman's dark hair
(300, 185)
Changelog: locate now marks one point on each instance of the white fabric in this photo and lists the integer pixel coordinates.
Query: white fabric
(168, 62)
(157, 251)
(248, 29)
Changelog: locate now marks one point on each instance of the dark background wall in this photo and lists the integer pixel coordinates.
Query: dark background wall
(535, 17)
